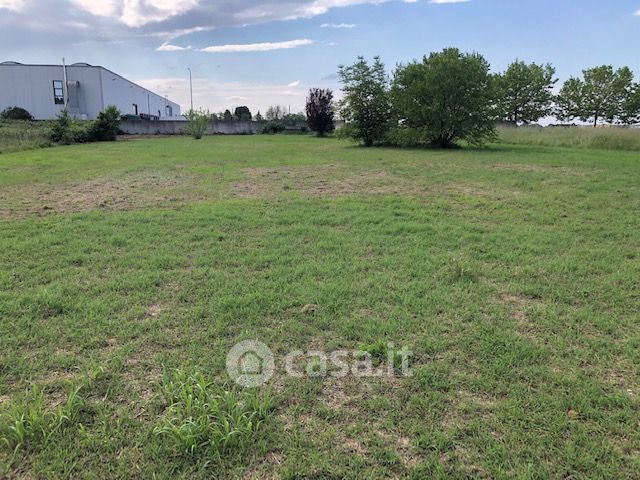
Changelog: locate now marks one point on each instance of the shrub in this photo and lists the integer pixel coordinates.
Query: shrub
(202, 417)
(197, 122)
(82, 131)
(15, 113)
(273, 127)
(61, 131)
(106, 127)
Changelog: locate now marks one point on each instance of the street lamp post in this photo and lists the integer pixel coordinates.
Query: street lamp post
(191, 86)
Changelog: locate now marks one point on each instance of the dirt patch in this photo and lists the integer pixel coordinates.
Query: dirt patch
(341, 394)
(520, 308)
(155, 309)
(135, 191)
(264, 470)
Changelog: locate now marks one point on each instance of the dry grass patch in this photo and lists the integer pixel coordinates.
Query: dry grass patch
(320, 181)
(128, 193)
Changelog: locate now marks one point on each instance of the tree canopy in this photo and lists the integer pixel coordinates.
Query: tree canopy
(524, 92)
(445, 98)
(601, 94)
(366, 105)
(320, 115)
(243, 114)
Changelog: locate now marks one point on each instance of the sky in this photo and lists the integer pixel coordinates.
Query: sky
(261, 53)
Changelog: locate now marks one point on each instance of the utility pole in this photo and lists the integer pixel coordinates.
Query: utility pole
(65, 93)
(191, 86)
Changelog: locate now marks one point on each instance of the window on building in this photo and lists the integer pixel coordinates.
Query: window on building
(58, 92)
(135, 109)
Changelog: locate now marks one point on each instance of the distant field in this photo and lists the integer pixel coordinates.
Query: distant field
(574, 137)
(510, 271)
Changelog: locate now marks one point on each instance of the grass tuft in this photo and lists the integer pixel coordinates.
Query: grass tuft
(202, 418)
(27, 423)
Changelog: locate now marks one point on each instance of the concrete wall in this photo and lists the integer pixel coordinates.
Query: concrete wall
(175, 127)
(90, 90)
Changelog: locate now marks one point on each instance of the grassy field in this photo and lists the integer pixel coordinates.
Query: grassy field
(574, 137)
(510, 271)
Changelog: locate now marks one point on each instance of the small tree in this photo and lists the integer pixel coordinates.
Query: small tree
(15, 113)
(320, 111)
(600, 94)
(275, 112)
(243, 114)
(197, 123)
(365, 106)
(107, 126)
(524, 92)
(61, 131)
(227, 117)
(445, 98)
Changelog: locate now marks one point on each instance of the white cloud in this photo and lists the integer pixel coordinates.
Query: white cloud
(637, 13)
(136, 13)
(294, 84)
(103, 8)
(14, 5)
(257, 47)
(338, 25)
(173, 34)
(448, 1)
(167, 47)
(140, 12)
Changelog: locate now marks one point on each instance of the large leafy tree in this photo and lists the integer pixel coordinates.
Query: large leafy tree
(365, 106)
(600, 95)
(524, 92)
(630, 112)
(320, 111)
(243, 114)
(445, 98)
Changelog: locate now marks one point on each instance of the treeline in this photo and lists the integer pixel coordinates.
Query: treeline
(243, 114)
(451, 96)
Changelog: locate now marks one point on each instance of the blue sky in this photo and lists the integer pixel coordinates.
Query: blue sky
(260, 53)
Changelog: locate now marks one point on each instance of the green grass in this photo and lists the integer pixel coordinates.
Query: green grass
(574, 137)
(510, 271)
(21, 135)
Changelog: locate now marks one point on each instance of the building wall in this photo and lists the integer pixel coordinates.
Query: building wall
(31, 87)
(124, 94)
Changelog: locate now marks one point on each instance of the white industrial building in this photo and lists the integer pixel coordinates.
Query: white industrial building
(86, 90)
